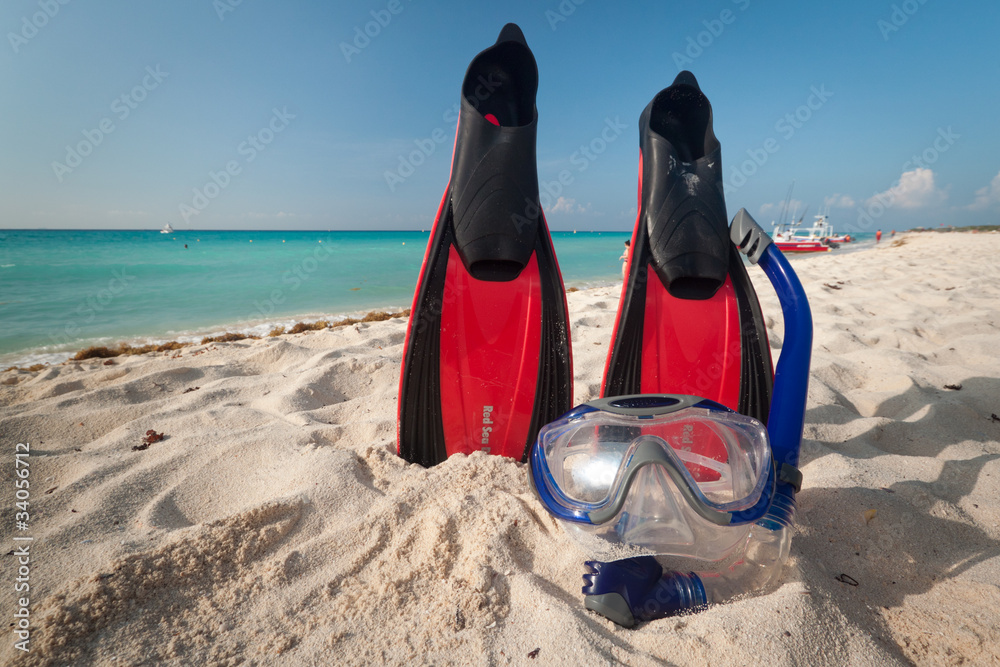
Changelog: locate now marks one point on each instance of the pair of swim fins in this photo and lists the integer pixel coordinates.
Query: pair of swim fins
(487, 359)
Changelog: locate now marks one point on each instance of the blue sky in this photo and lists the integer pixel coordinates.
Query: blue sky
(268, 115)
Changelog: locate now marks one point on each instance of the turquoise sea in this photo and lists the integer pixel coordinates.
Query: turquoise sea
(64, 290)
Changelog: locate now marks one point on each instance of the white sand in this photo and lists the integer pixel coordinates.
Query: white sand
(276, 524)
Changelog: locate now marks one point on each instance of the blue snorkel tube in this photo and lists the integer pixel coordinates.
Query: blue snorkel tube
(637, 589)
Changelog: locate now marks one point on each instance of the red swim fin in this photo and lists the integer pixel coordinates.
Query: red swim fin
(487, 359)
(688, 321)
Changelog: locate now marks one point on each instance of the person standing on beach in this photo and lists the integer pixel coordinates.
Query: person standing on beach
(878, 235)
(624, 259)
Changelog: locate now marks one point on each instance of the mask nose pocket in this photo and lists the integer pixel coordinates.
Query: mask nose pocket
(651, 515)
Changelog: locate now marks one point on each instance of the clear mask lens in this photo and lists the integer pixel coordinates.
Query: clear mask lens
(663, 482)
(722, 455)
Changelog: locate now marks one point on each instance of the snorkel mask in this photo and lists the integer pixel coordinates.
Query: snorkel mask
(634, 477)
(661, 474)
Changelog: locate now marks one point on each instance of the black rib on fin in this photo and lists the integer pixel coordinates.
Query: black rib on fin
(624, 372)
(554, 389)
(756, 374)
(420, 429)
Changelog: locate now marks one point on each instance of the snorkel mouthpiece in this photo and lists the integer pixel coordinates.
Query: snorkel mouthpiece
(635, 589)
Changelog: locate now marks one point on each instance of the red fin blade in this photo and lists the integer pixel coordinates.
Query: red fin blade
(490, 338)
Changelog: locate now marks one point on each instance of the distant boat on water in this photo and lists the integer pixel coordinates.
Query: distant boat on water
(818, 238)
(167, 229)
(822, 229)
(789, 239)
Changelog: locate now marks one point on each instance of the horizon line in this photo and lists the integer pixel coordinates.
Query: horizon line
(177, 231)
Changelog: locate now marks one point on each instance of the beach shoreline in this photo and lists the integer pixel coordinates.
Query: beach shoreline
(274, 522)
(69, 290)
(45, 355)
(259, 328)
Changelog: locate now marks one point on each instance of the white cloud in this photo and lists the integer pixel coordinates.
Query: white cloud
(839, 201)
(567, 205)
(915, 189)
(988, 196)
(794, 206)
